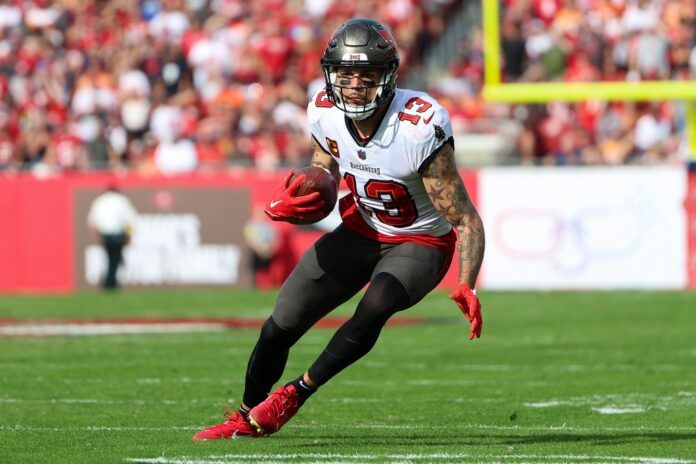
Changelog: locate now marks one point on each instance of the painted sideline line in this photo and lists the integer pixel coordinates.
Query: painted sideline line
(504, 428)
(472, 460)
(76, 327)
(603, 404)
(323, 461)
(46, 330)
(429, 457)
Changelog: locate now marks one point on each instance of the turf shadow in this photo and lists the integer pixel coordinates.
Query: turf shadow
(439, 440)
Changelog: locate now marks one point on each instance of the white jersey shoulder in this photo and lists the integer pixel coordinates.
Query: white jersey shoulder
(424, 121)
(384, 172)
(414, 119)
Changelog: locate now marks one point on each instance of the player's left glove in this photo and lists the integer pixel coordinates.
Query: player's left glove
(470, 305)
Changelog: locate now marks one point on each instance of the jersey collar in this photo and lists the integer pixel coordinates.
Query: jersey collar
(354, 132)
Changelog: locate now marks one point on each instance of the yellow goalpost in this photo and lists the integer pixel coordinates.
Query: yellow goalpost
(542, 92)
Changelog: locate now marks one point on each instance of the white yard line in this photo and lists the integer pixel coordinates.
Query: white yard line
(382, 366)
(620, 403)
(504, 428)
(560, 368)
(427, 457)
(616, 410)
(603, 404)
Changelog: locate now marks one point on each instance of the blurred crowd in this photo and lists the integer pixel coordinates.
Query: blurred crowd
(582, 41)
(171, 86)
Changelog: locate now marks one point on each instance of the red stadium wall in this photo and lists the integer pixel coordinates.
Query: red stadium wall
(37, 229)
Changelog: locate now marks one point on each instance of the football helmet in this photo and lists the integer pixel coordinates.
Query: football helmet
(364, 43)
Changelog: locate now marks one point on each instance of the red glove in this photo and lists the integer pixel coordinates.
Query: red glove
(285, 205)
(469, 303)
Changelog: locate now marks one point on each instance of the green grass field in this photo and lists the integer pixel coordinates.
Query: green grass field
(594, 377)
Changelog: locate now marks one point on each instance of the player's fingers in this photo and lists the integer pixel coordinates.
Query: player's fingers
(466, 312)
(274, 217)
(295, 184)
(288, 176)
(310, 209)
(479, 324)
(475, 329)
(306, 200)
(474, 309)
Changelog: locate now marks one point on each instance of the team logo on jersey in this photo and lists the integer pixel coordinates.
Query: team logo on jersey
(439, 133)
(362, 155)
(333, 147)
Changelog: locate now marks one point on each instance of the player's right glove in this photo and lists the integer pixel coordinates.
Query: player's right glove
(285, 206)
(470, 305)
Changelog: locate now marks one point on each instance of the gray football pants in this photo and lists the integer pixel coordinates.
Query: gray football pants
(334, 269)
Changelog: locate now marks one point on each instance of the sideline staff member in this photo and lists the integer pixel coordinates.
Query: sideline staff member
(112, 216)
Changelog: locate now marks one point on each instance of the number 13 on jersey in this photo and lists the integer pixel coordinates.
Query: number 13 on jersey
(388, 201)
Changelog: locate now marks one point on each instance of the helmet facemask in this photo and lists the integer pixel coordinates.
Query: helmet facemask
(385, 89)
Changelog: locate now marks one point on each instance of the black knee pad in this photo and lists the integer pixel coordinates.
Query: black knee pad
(384, 297)
(272, 335)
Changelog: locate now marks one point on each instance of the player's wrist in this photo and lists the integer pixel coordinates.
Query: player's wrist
(465, 286)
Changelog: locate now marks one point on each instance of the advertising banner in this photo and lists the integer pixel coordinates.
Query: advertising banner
(182, 237)
(545, 228)
(584, 228)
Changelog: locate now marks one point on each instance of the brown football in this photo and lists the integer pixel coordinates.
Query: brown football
(318, 180)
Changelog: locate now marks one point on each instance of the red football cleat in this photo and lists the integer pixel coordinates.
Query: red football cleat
(234, 427)
(269, 416)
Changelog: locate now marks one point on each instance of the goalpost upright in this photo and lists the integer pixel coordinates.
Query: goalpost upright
(542, 92)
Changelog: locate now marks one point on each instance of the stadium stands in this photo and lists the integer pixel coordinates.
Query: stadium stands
(180, 85)
(588, 41)
(171, 86)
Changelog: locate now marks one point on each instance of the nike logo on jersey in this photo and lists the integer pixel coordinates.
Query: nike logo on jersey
(430, 118)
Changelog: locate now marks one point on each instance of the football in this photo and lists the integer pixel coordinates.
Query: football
(318, 180)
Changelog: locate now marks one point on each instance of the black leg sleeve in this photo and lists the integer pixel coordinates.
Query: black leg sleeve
(384, 297)
(267, 361)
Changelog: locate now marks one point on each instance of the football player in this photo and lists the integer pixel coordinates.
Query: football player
(394, 149)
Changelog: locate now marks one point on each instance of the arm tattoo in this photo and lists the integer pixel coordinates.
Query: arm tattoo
(449, 196)
(323, 160)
